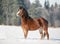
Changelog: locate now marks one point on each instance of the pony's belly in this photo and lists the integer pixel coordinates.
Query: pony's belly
(31, 27)
(34, 26)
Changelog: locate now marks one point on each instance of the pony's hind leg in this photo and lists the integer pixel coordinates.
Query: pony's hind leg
(46, 33)
(41, 33)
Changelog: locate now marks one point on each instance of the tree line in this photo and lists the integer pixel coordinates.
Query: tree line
(9, 8)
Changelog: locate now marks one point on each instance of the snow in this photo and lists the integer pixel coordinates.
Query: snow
(14, 35)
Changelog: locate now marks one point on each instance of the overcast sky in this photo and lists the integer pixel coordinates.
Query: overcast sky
(50, 1)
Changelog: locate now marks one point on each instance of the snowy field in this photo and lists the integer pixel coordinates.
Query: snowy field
(14, 35)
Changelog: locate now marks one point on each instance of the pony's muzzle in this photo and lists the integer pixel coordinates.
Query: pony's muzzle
(17, 14)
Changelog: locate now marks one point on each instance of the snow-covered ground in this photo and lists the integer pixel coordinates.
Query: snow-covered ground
(14, 35)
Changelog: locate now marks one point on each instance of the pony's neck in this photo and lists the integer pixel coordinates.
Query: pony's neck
(25, 19)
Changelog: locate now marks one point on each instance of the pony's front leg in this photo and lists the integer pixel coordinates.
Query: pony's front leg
(25, 33)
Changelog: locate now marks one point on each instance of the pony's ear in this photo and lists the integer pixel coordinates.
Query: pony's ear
(20, 7)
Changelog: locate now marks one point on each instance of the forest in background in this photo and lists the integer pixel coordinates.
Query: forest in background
(9, 8)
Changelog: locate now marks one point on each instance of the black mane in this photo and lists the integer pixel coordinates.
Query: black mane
(26, 13)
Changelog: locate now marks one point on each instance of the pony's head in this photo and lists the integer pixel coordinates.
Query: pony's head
(22, 12)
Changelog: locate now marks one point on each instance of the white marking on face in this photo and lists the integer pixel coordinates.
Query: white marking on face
(18, 13)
